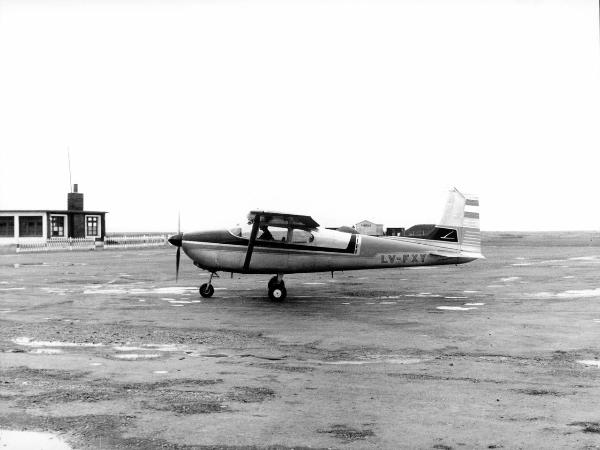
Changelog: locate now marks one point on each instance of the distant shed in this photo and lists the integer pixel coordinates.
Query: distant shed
(369, 228)
(394, 231)
(420, 231)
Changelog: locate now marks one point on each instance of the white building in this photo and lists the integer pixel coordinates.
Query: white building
(369, 228)
(29, 226)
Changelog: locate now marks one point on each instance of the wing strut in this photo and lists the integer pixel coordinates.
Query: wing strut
(253, 234)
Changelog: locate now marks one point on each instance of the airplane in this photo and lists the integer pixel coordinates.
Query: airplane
(281, 243)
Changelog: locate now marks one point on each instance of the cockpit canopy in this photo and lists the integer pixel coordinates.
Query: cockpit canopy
(274, 233)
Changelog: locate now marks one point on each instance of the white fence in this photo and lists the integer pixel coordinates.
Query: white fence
(57, 245)
(118, 242)
(138, 241)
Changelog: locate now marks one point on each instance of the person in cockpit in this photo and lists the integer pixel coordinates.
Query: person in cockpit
(266, 234)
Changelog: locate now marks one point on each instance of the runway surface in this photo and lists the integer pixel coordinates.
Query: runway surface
(104, 350)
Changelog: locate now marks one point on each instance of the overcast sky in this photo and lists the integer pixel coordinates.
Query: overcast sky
(341, 110)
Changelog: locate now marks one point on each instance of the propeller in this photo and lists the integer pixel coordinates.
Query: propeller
(176, 241)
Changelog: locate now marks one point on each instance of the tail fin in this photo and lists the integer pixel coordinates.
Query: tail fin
(462, 214)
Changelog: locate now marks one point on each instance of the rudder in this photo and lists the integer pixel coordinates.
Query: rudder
(462, 214)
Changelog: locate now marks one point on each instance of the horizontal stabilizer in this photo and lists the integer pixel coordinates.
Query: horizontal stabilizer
(450, 254)
(447, 254)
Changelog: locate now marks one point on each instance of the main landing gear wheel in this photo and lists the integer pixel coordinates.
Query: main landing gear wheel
(277, 293)
(207, 290)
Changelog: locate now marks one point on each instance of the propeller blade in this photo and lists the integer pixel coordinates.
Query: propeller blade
(177, 256)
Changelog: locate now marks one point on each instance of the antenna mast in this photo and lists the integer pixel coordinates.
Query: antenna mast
(70, 181)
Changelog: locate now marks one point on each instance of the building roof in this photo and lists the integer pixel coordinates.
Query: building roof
(367, 221)
(55, 211)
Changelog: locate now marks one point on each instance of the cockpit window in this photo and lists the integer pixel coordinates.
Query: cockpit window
(270, 233)
(302, 237)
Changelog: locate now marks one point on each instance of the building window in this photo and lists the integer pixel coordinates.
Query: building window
(57, 225)
(30, 226)
(91, 226)
(7, 226)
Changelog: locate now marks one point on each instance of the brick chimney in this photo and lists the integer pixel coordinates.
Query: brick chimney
(75, 200)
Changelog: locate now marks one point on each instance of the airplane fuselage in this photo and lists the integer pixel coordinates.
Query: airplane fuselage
(327, 250)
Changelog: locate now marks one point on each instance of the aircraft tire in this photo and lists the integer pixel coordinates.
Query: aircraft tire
(277, 293)
(207, 290)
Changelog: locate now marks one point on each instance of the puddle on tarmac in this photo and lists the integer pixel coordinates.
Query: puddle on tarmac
(160, 372)
(105, 291)
(574, 293)
(456, 297)
(374, 361)
(13, 289)
(314, 283)
(134, 356)
(18, 265)
(27, 440)
(423, 295)
(590, 362)
(470, 292)
(586, 258)
(175, 290)
(29, 343)
(455, 308)
(509, 279)
(46, 351)
(474, 304)
(59, 291)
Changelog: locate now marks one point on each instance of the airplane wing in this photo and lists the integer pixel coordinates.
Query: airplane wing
(275, 219)
(284, 220)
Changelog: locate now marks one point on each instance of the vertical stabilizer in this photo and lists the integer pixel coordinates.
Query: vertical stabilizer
(462, 213)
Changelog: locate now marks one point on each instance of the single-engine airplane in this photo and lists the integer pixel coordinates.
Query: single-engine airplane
(280, 243)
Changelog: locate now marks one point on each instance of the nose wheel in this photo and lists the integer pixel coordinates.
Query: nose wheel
(276, 286)
(207, 290)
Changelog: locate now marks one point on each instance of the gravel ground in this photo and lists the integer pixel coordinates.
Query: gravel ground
(105, 350)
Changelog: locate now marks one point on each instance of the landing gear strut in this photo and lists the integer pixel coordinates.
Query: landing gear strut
(207, 290)
(277, 291)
